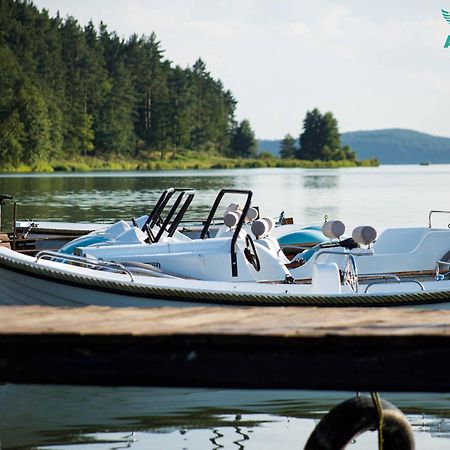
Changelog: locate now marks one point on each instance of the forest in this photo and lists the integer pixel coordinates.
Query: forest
(75, 98)
(68, 91)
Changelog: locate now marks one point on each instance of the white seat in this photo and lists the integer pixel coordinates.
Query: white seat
(400, 240)
(326, 278)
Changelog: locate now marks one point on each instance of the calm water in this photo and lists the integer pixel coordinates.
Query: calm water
(68, 417)
(383, 196)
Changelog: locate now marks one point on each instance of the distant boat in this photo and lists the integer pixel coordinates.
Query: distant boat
(424, 163)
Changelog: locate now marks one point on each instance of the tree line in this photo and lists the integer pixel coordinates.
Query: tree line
(68, 91)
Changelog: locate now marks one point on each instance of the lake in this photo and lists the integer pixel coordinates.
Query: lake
(69, 417)
(380, 196)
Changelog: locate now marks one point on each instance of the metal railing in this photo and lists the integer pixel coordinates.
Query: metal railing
(435, 211)
(155, 215)
(85, 262)
(439, 275)
(350, 274)
(394, 281)
(212, 212)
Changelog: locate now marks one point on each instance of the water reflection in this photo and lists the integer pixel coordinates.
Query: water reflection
(339, 193)
(383, 196)
(78, 417)
(321, 181)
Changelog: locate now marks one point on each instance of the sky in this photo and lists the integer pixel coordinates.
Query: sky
(372, 64)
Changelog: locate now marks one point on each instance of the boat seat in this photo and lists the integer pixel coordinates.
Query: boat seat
(326, 278)
(400, 240)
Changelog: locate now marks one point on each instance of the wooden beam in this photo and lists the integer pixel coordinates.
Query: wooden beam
(381, 349)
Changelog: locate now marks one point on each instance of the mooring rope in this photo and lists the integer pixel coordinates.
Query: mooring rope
(379, 407)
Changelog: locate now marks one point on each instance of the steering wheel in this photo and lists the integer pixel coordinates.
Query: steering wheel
(250, 253)
(350, 275)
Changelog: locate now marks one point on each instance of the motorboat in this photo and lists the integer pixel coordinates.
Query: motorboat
(397, 251)
(402, 267)
(31, 236)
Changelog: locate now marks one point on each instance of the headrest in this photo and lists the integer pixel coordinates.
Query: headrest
(333, 229)
(364, 234)
(251, 215)
(231, 219)
(232, 207)
(270, 223)
(262, 227)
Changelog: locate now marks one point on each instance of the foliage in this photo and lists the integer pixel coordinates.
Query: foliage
(288, 148)
(320, 139)
(189, 160)
(68, 91)
(243, 142)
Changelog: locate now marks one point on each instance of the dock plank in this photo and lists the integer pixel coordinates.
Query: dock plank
(232, 321)
(308, 348)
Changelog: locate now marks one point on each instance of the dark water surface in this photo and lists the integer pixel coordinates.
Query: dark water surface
(69, 417)
(76, 417)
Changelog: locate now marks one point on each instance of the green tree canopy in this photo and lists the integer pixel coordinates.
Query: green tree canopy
(67, 90)
(320, 139)
(288, 147)
(243, 142)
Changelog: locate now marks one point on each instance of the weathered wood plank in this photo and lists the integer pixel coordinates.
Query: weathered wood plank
(283, 321)
(309, 348)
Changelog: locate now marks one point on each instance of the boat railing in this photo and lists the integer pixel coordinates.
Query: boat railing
(205, 231)
(435, 211)
(169, 225)
(350, 255)
(155, 215)
(439, 275)
(395, 280)
(350, 272)
(84, 262)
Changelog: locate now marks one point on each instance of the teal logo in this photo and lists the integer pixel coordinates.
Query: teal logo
(446, 16)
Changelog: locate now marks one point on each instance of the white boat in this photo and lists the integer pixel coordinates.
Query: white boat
(230, 278)
(168, 213)
(396, 252)
(29, 280)
(406, 266)
(44, 235)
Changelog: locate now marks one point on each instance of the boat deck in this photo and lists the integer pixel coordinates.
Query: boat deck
(380, 349)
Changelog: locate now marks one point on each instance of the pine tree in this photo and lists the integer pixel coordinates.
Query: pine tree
(243, 142)
(36, 124)
(115, 131)
(181, 109)
(320, 139)
(310, 139)
(287, 147)
(11, 125)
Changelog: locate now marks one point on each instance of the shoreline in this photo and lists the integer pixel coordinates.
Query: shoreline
(96, 164)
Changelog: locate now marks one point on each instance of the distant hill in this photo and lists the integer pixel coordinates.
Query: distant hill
(266, 145)
(390, 146)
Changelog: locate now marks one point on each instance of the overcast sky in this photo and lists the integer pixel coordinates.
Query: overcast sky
(373, 64)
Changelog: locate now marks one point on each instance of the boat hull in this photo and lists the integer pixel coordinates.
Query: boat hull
(25, 281)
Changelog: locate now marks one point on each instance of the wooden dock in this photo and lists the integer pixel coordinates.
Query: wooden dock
(304, 348)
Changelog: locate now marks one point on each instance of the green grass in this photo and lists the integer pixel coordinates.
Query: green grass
(183, 161)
